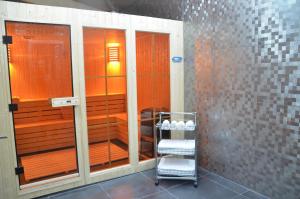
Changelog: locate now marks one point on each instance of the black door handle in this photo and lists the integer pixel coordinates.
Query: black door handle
(3, 137)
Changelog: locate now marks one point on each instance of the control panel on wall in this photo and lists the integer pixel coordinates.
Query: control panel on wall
(65, 101)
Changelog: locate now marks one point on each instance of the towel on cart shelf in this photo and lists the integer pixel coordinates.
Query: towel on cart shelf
(179, 147)
(176, 167)
(165, 124)
(180, 125)
(190, 125)
(173, 125)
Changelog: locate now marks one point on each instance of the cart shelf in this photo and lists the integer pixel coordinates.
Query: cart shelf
(175, 166)
(176, 147)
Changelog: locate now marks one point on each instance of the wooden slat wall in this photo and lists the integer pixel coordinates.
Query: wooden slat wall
(96, 65)
(153, 70)
(40, 60)
(64, 161)
(103, 105)
(107, 126)
(40, 127)
(37, 111)
(123, 132)
(43, 137)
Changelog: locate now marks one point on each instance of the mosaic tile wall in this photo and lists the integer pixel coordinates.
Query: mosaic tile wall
(242, 75)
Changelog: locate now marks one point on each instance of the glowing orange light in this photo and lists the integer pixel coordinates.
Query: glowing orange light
(113, 65)
(113, 52)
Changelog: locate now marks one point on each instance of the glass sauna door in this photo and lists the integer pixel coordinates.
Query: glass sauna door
(153, 86)
(106, 98)
(40, 70)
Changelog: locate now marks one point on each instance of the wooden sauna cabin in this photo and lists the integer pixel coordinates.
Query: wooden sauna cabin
(81, 91)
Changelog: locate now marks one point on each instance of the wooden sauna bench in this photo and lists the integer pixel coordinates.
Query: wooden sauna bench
(43, 130)
(64, 161)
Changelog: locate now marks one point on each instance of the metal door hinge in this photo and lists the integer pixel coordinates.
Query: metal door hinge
(13, 107)
(19, 170)
(6, 39)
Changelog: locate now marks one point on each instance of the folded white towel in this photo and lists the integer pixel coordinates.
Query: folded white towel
(189, 125)
(173, 125)
(165, 125)
(176, 166)
(180, 125)
(178, 147)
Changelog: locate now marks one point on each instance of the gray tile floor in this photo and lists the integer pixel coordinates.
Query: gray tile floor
(141, 185)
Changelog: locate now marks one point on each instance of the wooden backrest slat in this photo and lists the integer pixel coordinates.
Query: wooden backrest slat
(40, 127)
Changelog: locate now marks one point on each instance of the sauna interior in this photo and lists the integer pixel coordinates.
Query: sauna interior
(106, 97)
(41, 69)
(153, 86)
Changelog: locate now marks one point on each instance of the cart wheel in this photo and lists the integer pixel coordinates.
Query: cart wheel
(156, 182)
(195, 184)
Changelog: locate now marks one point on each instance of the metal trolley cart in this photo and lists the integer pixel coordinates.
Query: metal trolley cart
(176, 159)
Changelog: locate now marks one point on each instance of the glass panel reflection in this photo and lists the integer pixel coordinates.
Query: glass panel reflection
(40, 69)
(105, 79)
(153, 86)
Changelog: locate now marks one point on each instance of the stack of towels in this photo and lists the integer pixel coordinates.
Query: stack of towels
(177, 147)
(176, 166)
(174, 125)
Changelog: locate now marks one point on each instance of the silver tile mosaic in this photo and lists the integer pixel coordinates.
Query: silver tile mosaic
(242, 75)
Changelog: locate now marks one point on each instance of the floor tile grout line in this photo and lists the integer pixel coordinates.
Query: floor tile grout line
(176, 185)
(166, 190)
(241, 195)
(237, 196)
(150, 194)
(171, 192)
(256, 193)
(223, 186)
(231, 181)
(245, 192)
(226, 179)
(147, 177)
(107, 194)
(248, 189)
(163, 188)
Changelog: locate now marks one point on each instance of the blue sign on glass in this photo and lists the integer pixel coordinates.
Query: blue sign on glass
(177, 59)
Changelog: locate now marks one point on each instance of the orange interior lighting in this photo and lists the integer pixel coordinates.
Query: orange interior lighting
(113, 65)
(113, 52)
